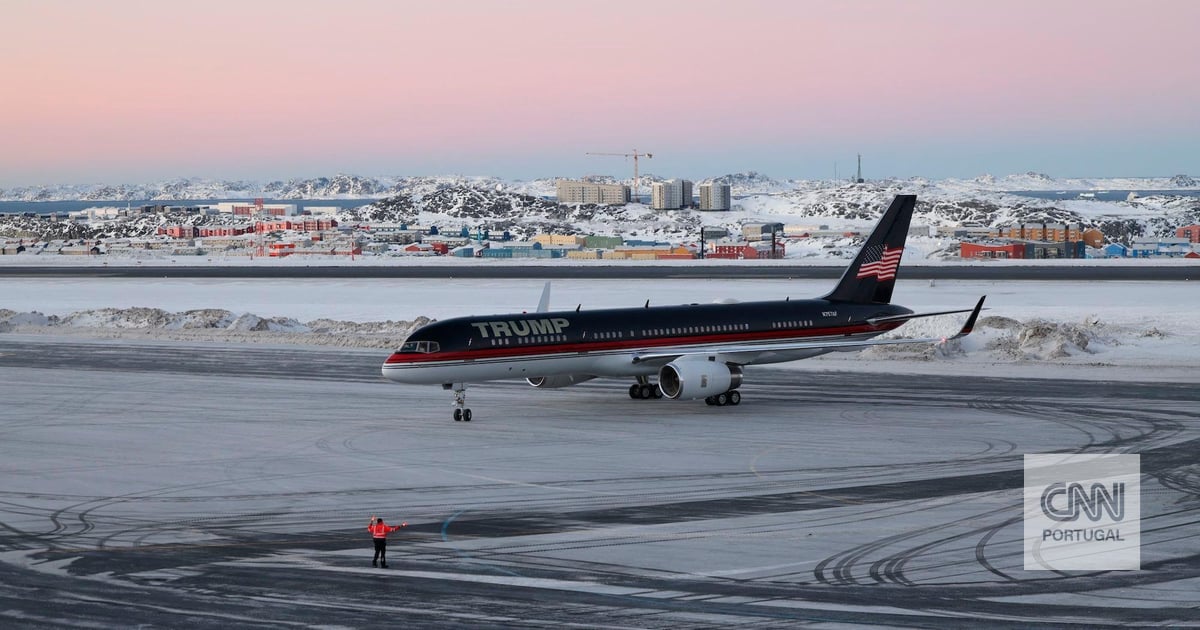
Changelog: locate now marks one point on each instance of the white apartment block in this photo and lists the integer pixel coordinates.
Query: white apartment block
(715, 197)
(666, 195)
(671, 195)
(687, 193)
(571, 191)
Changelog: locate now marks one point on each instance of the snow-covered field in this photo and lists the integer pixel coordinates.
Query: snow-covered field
(1143, 330)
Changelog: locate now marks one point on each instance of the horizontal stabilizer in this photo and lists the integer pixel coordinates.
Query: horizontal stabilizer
(903, 318)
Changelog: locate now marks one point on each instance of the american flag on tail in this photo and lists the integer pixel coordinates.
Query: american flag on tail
(880, 261)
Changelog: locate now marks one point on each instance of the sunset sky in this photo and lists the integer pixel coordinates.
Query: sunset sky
(138, 91)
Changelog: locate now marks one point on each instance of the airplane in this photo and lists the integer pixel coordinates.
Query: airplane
(694, 351)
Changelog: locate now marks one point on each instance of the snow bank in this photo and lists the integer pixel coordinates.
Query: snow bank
(1003, 338)
(1086, 341)
(208, 325)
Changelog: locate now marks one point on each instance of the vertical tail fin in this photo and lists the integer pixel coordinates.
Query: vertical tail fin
(872, 275)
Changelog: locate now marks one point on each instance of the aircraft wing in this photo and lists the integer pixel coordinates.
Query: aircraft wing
(904, 318)
(747, 352)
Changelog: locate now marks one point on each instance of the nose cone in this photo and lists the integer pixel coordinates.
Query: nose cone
(390, 367)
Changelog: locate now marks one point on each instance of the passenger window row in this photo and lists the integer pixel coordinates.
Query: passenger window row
(695, 330)
(802, 323)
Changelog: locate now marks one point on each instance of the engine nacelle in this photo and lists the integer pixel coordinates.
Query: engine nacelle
(558, 380)
(698, 377)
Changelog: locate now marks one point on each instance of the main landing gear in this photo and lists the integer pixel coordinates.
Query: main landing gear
(731, 397)
(644, 390)
(461, 413)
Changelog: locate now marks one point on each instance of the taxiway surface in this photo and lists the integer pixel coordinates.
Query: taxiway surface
(153, 483)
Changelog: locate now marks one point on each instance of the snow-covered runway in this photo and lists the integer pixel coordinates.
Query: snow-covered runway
(176, 484)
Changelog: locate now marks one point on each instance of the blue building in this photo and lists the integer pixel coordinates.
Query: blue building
(1112, 250)
(1160, 247)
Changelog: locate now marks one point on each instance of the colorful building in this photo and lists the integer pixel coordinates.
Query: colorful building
(992, 250)
(1190, 232)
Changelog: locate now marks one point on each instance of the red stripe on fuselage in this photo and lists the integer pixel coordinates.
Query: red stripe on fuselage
(517, 350)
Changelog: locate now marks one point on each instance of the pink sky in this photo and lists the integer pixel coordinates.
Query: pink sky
(126, 91)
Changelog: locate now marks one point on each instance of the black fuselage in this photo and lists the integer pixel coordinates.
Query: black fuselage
(642, 329)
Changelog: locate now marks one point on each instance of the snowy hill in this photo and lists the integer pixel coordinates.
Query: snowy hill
(358, 186)
(340, 186)
(810, 203)
(1042, 181)
(527, 208)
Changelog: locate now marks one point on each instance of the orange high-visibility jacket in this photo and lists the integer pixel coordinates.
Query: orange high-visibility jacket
(380, 530)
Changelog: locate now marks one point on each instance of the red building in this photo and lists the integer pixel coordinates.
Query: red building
(1190, 232)
(222, 230)
(745, 251)
(992, 250)
(303, 224)
(281, 225)
(735, 251)
(279, 250)
(178, 231)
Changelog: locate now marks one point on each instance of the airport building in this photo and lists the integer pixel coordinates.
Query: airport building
(715, 196)
(572, 191)
(991, 250)
(1023, 249)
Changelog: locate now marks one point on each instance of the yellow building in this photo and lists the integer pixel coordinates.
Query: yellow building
(1053, 232)
(568, 240)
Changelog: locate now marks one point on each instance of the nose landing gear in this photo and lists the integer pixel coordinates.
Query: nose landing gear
(461, 412)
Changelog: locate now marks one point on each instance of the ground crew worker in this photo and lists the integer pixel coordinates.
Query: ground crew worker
(379, 532)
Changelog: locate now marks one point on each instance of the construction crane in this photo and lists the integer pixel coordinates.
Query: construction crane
(637, 182)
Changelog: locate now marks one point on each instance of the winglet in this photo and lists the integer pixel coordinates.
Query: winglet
(970, 325)
(544, 303)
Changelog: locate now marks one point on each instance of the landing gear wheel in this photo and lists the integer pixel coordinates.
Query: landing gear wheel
(634, 391)
(722, 400)
(461, 413)
(710, 401)
(735, 397)
(657, 392)
(646, 392)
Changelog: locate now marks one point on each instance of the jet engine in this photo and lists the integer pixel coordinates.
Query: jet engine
(698, 377)
(558, 380)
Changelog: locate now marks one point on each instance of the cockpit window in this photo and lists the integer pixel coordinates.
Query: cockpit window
(419, 347)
